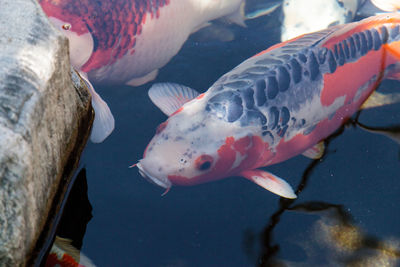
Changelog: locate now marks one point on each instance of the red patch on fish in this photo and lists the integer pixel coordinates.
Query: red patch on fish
(113, 25)
(200, 96)
(227, 156)
(242, 145)
(177, 111)
(358, 28)
(338, 84)
(65, 261)
(256, 153)
(161, 127)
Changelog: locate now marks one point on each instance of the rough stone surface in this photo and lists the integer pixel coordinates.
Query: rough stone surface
(43, 103)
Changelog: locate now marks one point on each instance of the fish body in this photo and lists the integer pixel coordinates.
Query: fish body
(124, 41)
(387, 5)
(63, 254)
(127, 41)
(300, 16)
(275, 105)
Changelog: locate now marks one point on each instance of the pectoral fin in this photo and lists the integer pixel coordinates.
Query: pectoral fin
(379, 99)
(103, 123)
(270, 182)
(315, 152)
(169, 97)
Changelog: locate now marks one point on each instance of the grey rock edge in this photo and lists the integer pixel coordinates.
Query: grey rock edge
(45, 120)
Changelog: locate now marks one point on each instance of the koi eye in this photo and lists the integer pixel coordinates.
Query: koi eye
(66, 26)
(203, 162)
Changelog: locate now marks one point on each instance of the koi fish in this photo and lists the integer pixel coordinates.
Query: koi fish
(62, 253)
(273, 106)
(387, 5)
(299, 16)
(127, 41)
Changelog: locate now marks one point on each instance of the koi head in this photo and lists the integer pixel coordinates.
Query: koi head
(191, 147)
(72, 25)
(183, 151)
(202, 140)
(80, 45)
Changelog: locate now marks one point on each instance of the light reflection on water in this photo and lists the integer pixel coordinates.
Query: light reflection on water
(233, 222)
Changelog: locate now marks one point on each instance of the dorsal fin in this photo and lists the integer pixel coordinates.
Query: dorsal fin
(347, 30)
(301, 42)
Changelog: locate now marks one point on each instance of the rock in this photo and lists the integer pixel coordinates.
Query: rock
(45, 120)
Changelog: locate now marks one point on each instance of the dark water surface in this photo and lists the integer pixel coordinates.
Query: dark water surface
(347, 210)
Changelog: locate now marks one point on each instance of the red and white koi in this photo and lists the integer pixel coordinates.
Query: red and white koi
(127, 41)
(63, 254)
(275, 105)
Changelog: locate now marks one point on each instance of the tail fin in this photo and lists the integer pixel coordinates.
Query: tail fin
(103, 123)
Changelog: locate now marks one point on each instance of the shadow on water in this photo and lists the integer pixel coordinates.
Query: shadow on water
(73, 218)
(344, 229)
(392, 132)
(269, 250)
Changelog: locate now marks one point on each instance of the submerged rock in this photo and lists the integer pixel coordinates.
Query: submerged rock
(45, 119)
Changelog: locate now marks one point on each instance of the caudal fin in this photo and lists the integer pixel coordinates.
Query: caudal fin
(103, 123)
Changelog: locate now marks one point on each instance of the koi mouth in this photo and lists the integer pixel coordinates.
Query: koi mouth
(163, 182)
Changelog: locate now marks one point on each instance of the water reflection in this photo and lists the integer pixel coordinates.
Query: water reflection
(393, 132)
(269, 250)
(335, 231)
(344, 242)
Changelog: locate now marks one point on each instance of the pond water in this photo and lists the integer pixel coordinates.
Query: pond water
(347, 209)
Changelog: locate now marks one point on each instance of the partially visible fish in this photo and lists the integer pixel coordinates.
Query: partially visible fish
(387, 5)
(62, 253)
(275, 105)
(373, 7)
(127, 41)
(305, 16)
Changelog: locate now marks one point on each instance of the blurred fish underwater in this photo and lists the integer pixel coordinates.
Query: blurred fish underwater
(229, 222)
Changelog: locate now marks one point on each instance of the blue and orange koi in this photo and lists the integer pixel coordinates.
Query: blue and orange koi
(280, 103)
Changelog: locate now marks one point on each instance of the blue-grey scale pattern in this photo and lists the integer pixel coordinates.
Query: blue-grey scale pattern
(276, 84)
